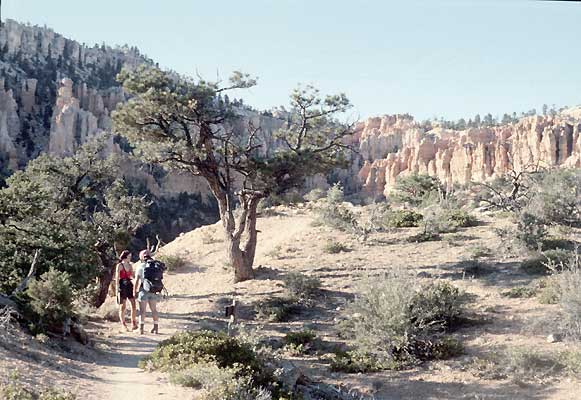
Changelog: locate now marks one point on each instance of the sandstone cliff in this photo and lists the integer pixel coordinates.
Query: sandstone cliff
(392, 146)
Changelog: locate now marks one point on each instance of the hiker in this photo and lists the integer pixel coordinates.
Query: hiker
(124, 290)
(149, 284)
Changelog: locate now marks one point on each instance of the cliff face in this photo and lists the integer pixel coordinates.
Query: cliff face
(54, 92)
(392, 146)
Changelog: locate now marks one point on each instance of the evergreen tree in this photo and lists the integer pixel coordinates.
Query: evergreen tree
(75, 210)
(489, 120)
(172, 121)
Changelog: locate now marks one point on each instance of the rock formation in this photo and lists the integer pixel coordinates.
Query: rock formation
(9, 127)
(71, 125)
(392, 146)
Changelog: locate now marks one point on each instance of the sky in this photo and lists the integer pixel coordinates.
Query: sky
(429, 58)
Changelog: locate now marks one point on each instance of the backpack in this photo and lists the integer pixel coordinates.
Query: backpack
(153, 276)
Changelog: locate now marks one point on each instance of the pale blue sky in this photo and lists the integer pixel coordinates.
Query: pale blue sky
(450, 58)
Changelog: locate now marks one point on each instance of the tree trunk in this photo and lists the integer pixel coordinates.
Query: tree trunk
(250, 231)
(239, 261)
(240, 255)
(241, 258)
(104, 280)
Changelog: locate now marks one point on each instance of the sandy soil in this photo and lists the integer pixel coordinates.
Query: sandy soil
(289, 242)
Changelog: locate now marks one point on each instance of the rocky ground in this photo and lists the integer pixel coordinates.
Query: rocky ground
(289, 241)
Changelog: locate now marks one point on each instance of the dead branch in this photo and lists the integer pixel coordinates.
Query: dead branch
(31, 272)
(154, 249)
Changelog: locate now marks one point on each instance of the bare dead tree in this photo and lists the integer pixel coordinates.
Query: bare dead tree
(519, 192)
(154, 249)
(31, 272)
(7, 301)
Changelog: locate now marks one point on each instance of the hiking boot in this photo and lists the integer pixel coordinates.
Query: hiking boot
(141, 327)
(154, 329)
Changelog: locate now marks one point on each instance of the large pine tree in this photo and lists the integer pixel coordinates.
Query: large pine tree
(179, 123)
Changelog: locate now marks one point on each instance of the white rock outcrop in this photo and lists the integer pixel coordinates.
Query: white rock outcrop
(393, 146)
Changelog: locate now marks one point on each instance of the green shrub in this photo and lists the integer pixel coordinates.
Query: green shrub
(398, 320)
(571, 360)
(314, 195)
(277, 309)
(173, 262)
(301, 286)
(461, 218)
(56, 394)
(549, 290)
(531, 231)
(186, 351)
(415, 189)
(436, 306)
(520, 292)
(297, 343)
(539, 265)
(558, 244)
(519, 364)
(219, 383)
(356, 361)
(446, 348)
(353, 362)
(186, 348)
(424, 237)
(556, 197)
(479, 251)
(526, 364)
(402, 219)
(335, 248)
(335, 194)
(15, 390)
(569, 281)
(300, 338)
(51, 297)
(339, 217)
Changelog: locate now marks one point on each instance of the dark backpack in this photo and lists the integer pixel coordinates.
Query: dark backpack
(153, 276)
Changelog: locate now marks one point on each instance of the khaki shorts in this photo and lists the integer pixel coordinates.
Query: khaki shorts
(146, 296)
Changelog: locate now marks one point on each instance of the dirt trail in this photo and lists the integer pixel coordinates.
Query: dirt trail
(122, 379)
(197, 294)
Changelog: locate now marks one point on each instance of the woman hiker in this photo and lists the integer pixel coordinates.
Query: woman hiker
(123, 278)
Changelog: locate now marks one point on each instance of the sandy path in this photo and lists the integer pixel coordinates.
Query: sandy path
(119, 377)
(196, 297)
(122, 379)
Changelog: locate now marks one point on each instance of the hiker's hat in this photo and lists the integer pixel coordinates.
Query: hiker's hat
(144, 253)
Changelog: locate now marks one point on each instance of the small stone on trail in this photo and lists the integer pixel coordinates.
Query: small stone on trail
(553, 338)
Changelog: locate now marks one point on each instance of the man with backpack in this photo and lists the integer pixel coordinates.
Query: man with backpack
(148, 288)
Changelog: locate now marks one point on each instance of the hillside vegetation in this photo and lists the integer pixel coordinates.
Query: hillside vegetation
(438, 310)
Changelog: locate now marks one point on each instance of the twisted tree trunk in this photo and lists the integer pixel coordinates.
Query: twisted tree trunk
(240, 236)
(104, 279)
